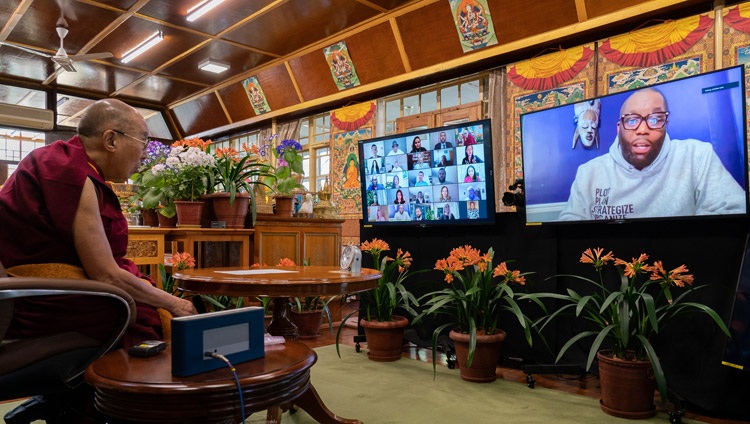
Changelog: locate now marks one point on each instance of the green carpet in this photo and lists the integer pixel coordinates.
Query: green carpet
(404, 392)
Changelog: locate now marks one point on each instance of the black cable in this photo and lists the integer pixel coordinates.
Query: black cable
(223, 358)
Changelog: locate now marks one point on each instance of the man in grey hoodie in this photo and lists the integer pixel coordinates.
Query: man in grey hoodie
(647, 174)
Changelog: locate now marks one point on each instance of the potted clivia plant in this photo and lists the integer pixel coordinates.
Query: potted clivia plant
(626, 316)
(235, 177)
(475, 297)
(384, 330)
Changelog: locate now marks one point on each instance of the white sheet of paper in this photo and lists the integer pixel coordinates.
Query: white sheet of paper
(256, 271)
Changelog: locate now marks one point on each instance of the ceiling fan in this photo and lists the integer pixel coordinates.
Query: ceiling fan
(61, 57)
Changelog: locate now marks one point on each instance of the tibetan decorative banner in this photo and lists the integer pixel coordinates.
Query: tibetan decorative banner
(563, 77)
(345, 177)
(664, 52)
(352, 117)
(738, 17)
(551, 70)
(473, 23)
(342, 68)
(256, 96)
(658, 44)
(736, 41)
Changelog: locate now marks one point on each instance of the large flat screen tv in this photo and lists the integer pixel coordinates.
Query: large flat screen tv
(437, 176)
(670, 150)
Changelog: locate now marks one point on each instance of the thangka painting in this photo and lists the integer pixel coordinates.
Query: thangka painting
(664, 52)
(551, 80)
(256, 96)
(473, 23)
(347, 189)
(342, 68)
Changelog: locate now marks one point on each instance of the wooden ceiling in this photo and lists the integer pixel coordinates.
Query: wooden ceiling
(394, 44)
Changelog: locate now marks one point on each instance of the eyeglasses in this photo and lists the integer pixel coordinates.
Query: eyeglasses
(144, 142)
(654, 121)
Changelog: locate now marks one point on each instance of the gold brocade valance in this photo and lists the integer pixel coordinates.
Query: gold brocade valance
(551, 70)
(657, 44)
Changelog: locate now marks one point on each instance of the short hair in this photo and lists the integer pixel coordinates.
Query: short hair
(647, 89)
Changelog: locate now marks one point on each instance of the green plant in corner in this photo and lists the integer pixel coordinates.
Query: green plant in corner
(628, 318)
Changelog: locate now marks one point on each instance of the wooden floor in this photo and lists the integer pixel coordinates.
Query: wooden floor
(588, 386)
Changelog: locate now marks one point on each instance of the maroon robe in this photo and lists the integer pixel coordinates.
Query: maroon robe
(37, 207)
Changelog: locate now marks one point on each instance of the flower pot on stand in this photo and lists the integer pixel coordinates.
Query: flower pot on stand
(385, 339)
(627, 387)
(189, 213)
(233, 214)
(166, 222)
(486, 355)
(308, 322)
(150, 217)
(284, 206)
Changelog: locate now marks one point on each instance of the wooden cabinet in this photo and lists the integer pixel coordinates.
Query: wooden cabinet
(317, 240)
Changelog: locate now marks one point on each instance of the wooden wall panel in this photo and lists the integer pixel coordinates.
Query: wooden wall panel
(375, 54)
(596, 8)
(313, 75)
(236, 101)
(429, 35)
(201, 114)
(518, 19)
(278, 87)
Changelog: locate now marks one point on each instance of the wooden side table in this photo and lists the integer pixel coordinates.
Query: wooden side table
(143, 390)
(146, 247)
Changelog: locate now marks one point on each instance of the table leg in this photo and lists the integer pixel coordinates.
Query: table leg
(280, 324)
(310, 401)
(273, 415)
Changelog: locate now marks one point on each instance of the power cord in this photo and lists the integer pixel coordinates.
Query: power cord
(223, 358)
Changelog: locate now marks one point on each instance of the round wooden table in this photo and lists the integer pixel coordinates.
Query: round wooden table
(143, 390)
(279, 283)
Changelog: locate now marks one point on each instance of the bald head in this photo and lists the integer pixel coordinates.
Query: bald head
(107, 114)
(648, 92)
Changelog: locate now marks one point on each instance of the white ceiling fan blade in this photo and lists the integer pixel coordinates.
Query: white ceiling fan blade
(64, 63)
(90, 56)
(26, 49)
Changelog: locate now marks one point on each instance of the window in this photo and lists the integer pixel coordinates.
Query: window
(434, 98)
(315, 138)
(16, 144)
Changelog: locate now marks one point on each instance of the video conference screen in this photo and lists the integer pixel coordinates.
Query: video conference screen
(439, 176)
(675, 149)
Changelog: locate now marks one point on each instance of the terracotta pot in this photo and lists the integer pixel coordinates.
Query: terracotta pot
(165, 222)
(284, 206)
(233, 214)
(627, 387)
(308, 322)
(150, 217)
(189, 213)
(483, 367)
(385, 339)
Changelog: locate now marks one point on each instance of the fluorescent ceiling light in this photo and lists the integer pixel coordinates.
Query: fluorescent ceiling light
(214, 66)
(145, 45)
(202, 8)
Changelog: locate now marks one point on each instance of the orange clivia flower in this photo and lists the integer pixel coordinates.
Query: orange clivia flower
(251, 149)
(510, 276)
(676, 277)
(595, 257)
(228, 153)
(286, 262)
(449, 266)
(193, 142)
(374, 247)
(637, 266)
(467, 255)
(181, 261)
